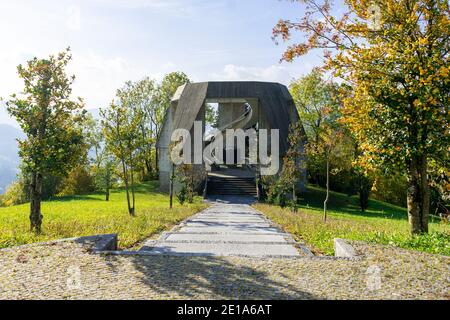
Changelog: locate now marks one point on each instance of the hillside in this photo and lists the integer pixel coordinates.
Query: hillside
(381, 223)
(9, 158)
(84, 215)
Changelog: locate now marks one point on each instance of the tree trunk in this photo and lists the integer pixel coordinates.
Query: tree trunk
(108, 182)
(35, 204)
(125, 178)
(132, 212)
(171, 185)
(418, 195)
(328, 191)
(425, 193)
(107, 193)
(148, 165)
(294, 198)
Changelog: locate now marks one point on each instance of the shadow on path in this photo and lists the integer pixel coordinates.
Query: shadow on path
(212, 278)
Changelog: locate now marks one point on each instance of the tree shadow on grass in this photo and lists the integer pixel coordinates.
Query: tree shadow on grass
(313, 199)
(90, 197)
(210, 277)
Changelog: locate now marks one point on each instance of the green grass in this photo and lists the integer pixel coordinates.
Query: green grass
(90, 214)
(381, 223)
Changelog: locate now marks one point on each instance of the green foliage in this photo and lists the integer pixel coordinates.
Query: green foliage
(398, 71)
(316, 102)
(182, 194)
(184, 175)
(167, 89)
(51, 121)
(211, 115)
(85, 215)
(15, 194)
(390, 188)
(121, 130)
(434, 242)
(79, 181)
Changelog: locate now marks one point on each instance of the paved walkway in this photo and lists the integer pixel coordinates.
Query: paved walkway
(227, 228)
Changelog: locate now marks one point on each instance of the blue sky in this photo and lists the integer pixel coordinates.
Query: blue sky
(118, 40)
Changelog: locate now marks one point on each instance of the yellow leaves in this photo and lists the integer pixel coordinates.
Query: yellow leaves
(432, 101)
(423, 41)
(443, 71)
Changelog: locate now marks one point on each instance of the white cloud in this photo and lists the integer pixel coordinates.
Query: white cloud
(74, 18)
(98, 77)
(273, 73)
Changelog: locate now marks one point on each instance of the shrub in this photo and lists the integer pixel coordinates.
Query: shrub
(15, 194)
(390, 188)
(185, 175)
(79, 181)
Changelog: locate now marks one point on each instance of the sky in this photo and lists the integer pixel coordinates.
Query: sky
(113, 41)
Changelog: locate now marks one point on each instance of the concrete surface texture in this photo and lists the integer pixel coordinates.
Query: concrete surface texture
(225, 229)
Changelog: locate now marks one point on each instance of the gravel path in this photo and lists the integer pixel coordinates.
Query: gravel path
(225, 229)
(68, 271)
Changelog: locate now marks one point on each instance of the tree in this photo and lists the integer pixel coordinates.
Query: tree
(314, 97)
(293, 161)
(140, 97)
(102, 161)
(394, 54)
(52, 123)
(121, 130)
(330, 146)
(317, 104)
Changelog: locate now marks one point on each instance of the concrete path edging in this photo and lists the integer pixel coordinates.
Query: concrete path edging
(95, 243)
(343, 249)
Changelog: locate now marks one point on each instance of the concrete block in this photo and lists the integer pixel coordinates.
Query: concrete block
(343, 249)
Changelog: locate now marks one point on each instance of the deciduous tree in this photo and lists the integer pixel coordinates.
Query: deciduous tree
(52, 123)
(394, 54)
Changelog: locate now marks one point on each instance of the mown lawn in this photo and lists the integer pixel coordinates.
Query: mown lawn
(381, 223)
(90, 214)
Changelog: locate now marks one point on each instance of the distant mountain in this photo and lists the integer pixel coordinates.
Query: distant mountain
(9, 157)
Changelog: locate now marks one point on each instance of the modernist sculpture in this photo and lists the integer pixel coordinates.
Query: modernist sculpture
(241, 105)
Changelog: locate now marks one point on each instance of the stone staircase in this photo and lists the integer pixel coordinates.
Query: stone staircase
(226, 230)
(228, 185)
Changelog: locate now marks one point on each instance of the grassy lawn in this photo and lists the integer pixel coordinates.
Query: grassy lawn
(381, 223)
(91, 214)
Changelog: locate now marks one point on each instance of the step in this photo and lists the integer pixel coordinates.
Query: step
(229, 229)
(227, 237)
(226, 223)
(223, 249)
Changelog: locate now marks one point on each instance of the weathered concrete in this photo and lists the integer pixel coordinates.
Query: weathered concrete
(225, 229)
(343, 249)
(100, 242)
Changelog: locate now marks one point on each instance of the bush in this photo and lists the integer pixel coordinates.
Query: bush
(182, 195)
(185, 175)
(390, 188)
(15, 194)
(79, 181)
